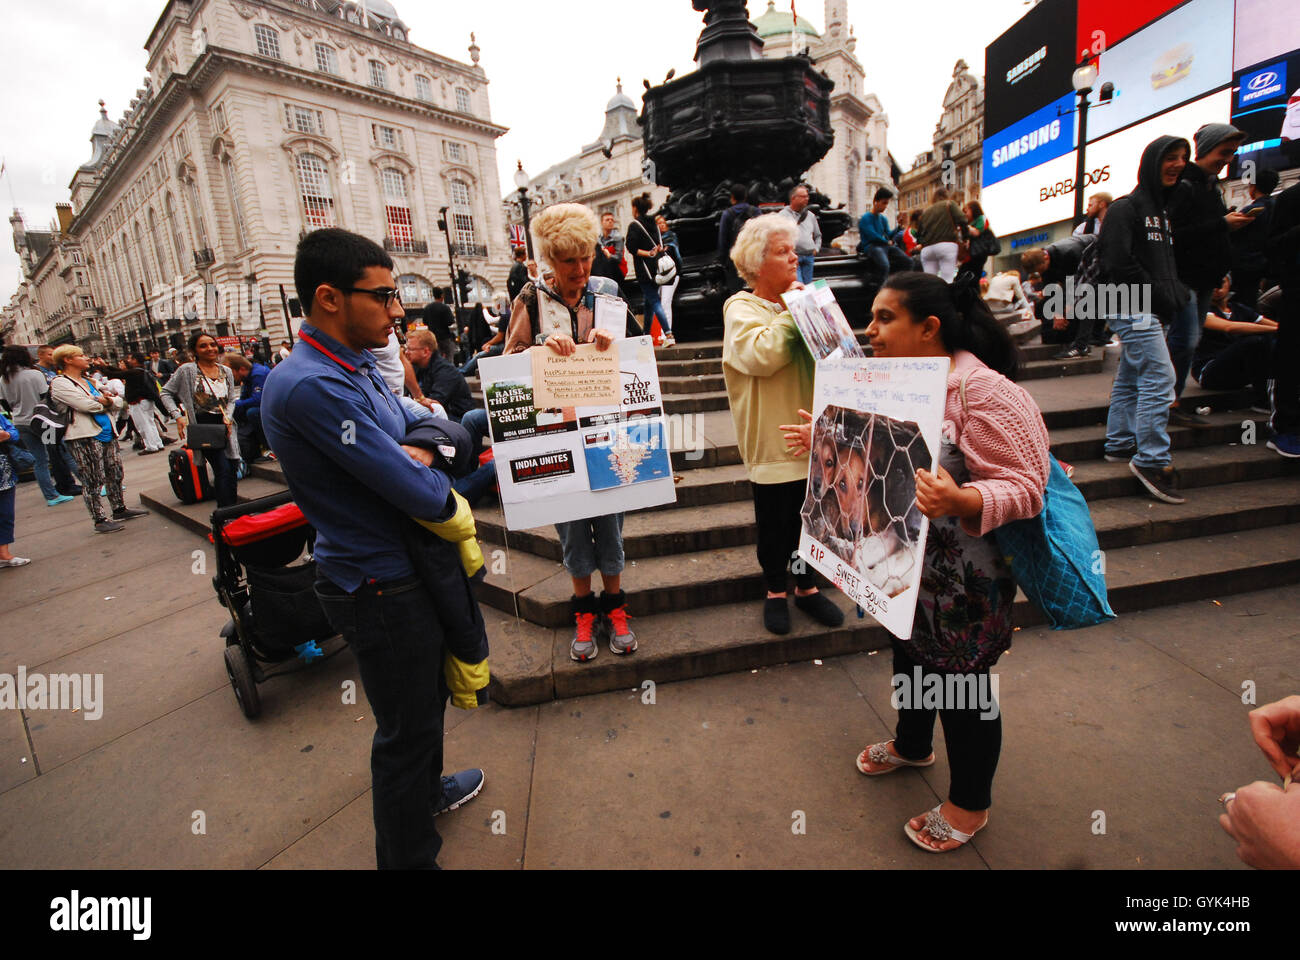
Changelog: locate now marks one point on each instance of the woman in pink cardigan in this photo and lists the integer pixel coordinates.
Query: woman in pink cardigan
(992, 469)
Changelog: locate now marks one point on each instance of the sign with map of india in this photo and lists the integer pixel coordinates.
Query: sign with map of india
(558, 465)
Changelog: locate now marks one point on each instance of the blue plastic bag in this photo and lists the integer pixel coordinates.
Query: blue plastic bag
(1056, 559)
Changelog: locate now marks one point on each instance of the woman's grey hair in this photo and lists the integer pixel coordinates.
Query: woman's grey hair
(755, 239)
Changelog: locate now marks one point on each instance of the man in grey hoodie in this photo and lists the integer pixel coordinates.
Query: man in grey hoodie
(1137, 256)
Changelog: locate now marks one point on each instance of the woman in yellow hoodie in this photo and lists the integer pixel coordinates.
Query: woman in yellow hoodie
(769, 376)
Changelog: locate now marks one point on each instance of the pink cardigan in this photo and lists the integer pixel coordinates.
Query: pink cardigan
(1004, 440)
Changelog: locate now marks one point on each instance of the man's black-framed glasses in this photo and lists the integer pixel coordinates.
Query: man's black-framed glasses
(385, 295)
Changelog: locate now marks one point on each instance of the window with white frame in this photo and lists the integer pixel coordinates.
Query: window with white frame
(182, 143)
(462, 213)
(159, 251)
(174, 228)
(145, 272)
(304, 119)
(86, 303)
(236, 207)
(397, 208)
(455, 151)
(463, 103)
(327, 59)
(423, 88)
(219, 117)
(268, 41)
(390, 138)
(378, 75)
(120, 287)
(76, 256)
(196, 214)
(317, 193)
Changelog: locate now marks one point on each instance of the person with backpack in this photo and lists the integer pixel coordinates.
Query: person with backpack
(733, 219)
(646, 245)
(24, 388)
(993, 470)
(1137, 249)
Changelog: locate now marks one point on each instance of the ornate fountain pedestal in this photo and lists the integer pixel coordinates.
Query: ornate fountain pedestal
(739, 119)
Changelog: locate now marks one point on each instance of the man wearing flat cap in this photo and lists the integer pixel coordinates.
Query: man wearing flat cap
(1201, 224)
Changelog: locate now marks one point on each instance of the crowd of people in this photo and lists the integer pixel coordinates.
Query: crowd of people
(383, 496)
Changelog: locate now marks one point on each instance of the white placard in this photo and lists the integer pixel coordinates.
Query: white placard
(554, 466)
(876, 421)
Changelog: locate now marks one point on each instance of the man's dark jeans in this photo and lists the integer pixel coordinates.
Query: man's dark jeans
(393, 631)
(1286, 363)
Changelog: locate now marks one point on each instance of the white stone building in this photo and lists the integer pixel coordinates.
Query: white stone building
(857, 165)
(957, 157)
(859, 162)
(261, 120)
(606, 175)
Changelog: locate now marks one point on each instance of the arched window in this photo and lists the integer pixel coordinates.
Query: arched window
(268, 41)
(132, 274)
(196, 214)
(232, 187)
(118, 284)
(415, 289)
(462, 213)
(397, 209)
(317, 194)
(327, 59)
(158, 250)
(174, 228)
(143, 254)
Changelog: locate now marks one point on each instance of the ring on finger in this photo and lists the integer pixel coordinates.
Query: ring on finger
(1228, 797)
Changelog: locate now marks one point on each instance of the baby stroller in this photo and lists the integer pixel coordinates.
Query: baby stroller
(274, 614)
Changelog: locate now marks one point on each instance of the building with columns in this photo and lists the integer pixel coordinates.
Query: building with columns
(859, 162)
(857, 165)
(605, 175)
(956, 159)
(261, 120)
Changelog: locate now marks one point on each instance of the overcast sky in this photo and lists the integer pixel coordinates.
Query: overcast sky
(551, 66)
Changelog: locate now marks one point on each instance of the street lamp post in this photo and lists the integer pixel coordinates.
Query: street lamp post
(1084, 77)
(521, 181)
(445, 227)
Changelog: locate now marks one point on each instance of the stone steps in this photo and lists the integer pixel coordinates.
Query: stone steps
(533, 665)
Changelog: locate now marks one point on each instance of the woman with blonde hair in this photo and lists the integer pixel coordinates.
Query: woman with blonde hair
(90, 438)
(557, 313)
(769, 377)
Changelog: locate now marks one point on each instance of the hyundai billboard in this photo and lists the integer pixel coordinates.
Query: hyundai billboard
(1266, 107)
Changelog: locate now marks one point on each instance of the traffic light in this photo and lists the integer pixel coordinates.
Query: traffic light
(463, 281)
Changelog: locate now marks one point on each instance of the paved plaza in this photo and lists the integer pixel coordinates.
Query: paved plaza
(1140, 720)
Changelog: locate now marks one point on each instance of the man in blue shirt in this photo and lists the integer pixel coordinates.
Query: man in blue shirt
(250, 377)
(337, 429)
(875, 242)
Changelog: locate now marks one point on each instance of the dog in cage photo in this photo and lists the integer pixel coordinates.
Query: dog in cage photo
(861, 501)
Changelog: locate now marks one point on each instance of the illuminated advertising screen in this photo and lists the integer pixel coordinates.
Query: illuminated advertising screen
(1030, 65)
(1265, 30)
(1043, 135)
(1180, 57)
(1045, 194)
(1104, 23)
(1266, 107)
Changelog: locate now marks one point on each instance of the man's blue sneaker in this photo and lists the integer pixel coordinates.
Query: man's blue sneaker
(459, 789)
(61, 498)
(1287, 444)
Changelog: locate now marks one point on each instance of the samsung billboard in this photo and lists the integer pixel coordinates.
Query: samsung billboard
(1043, 135)
(1044, 194)
(1180, 57)
(1030, 65)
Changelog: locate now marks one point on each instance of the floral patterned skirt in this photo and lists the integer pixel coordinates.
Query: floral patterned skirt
(963, 613)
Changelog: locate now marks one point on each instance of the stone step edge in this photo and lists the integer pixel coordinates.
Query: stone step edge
(628, 673)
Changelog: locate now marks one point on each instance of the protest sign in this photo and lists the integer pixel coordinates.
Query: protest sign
(587, 377)
(876, 421)
(570, 463)
(821, 322)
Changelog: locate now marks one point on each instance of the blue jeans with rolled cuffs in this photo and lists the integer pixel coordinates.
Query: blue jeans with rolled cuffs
(1142, 392)
(806, 269)
(593, 544)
